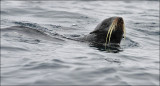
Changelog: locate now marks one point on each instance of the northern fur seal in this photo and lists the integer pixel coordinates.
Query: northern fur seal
(109, 32)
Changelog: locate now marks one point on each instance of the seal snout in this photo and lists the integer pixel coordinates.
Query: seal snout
(115, 31)
(120, 20)
(118, 24)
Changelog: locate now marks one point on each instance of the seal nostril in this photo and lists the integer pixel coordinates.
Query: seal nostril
(120, 19)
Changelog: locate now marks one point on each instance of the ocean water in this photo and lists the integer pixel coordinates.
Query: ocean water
(33, 51)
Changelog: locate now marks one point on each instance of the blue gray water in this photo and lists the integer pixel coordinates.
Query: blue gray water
(38, 55)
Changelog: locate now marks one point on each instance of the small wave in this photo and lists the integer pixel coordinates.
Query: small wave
(128, 43)
(114, 48)
(47, 65)
(39, 28)
(108, 49)
(31, 25)
(61, 14)
(3, 12)
(34, 30)
(31, 41)
(149, 32)
(7, 48)
(111, 60)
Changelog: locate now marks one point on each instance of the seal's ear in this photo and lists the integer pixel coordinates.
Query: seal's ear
(96, 31)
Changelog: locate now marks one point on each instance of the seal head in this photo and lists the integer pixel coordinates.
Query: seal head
(109, 31)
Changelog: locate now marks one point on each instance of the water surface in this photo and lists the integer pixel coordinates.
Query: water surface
(39, 55)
